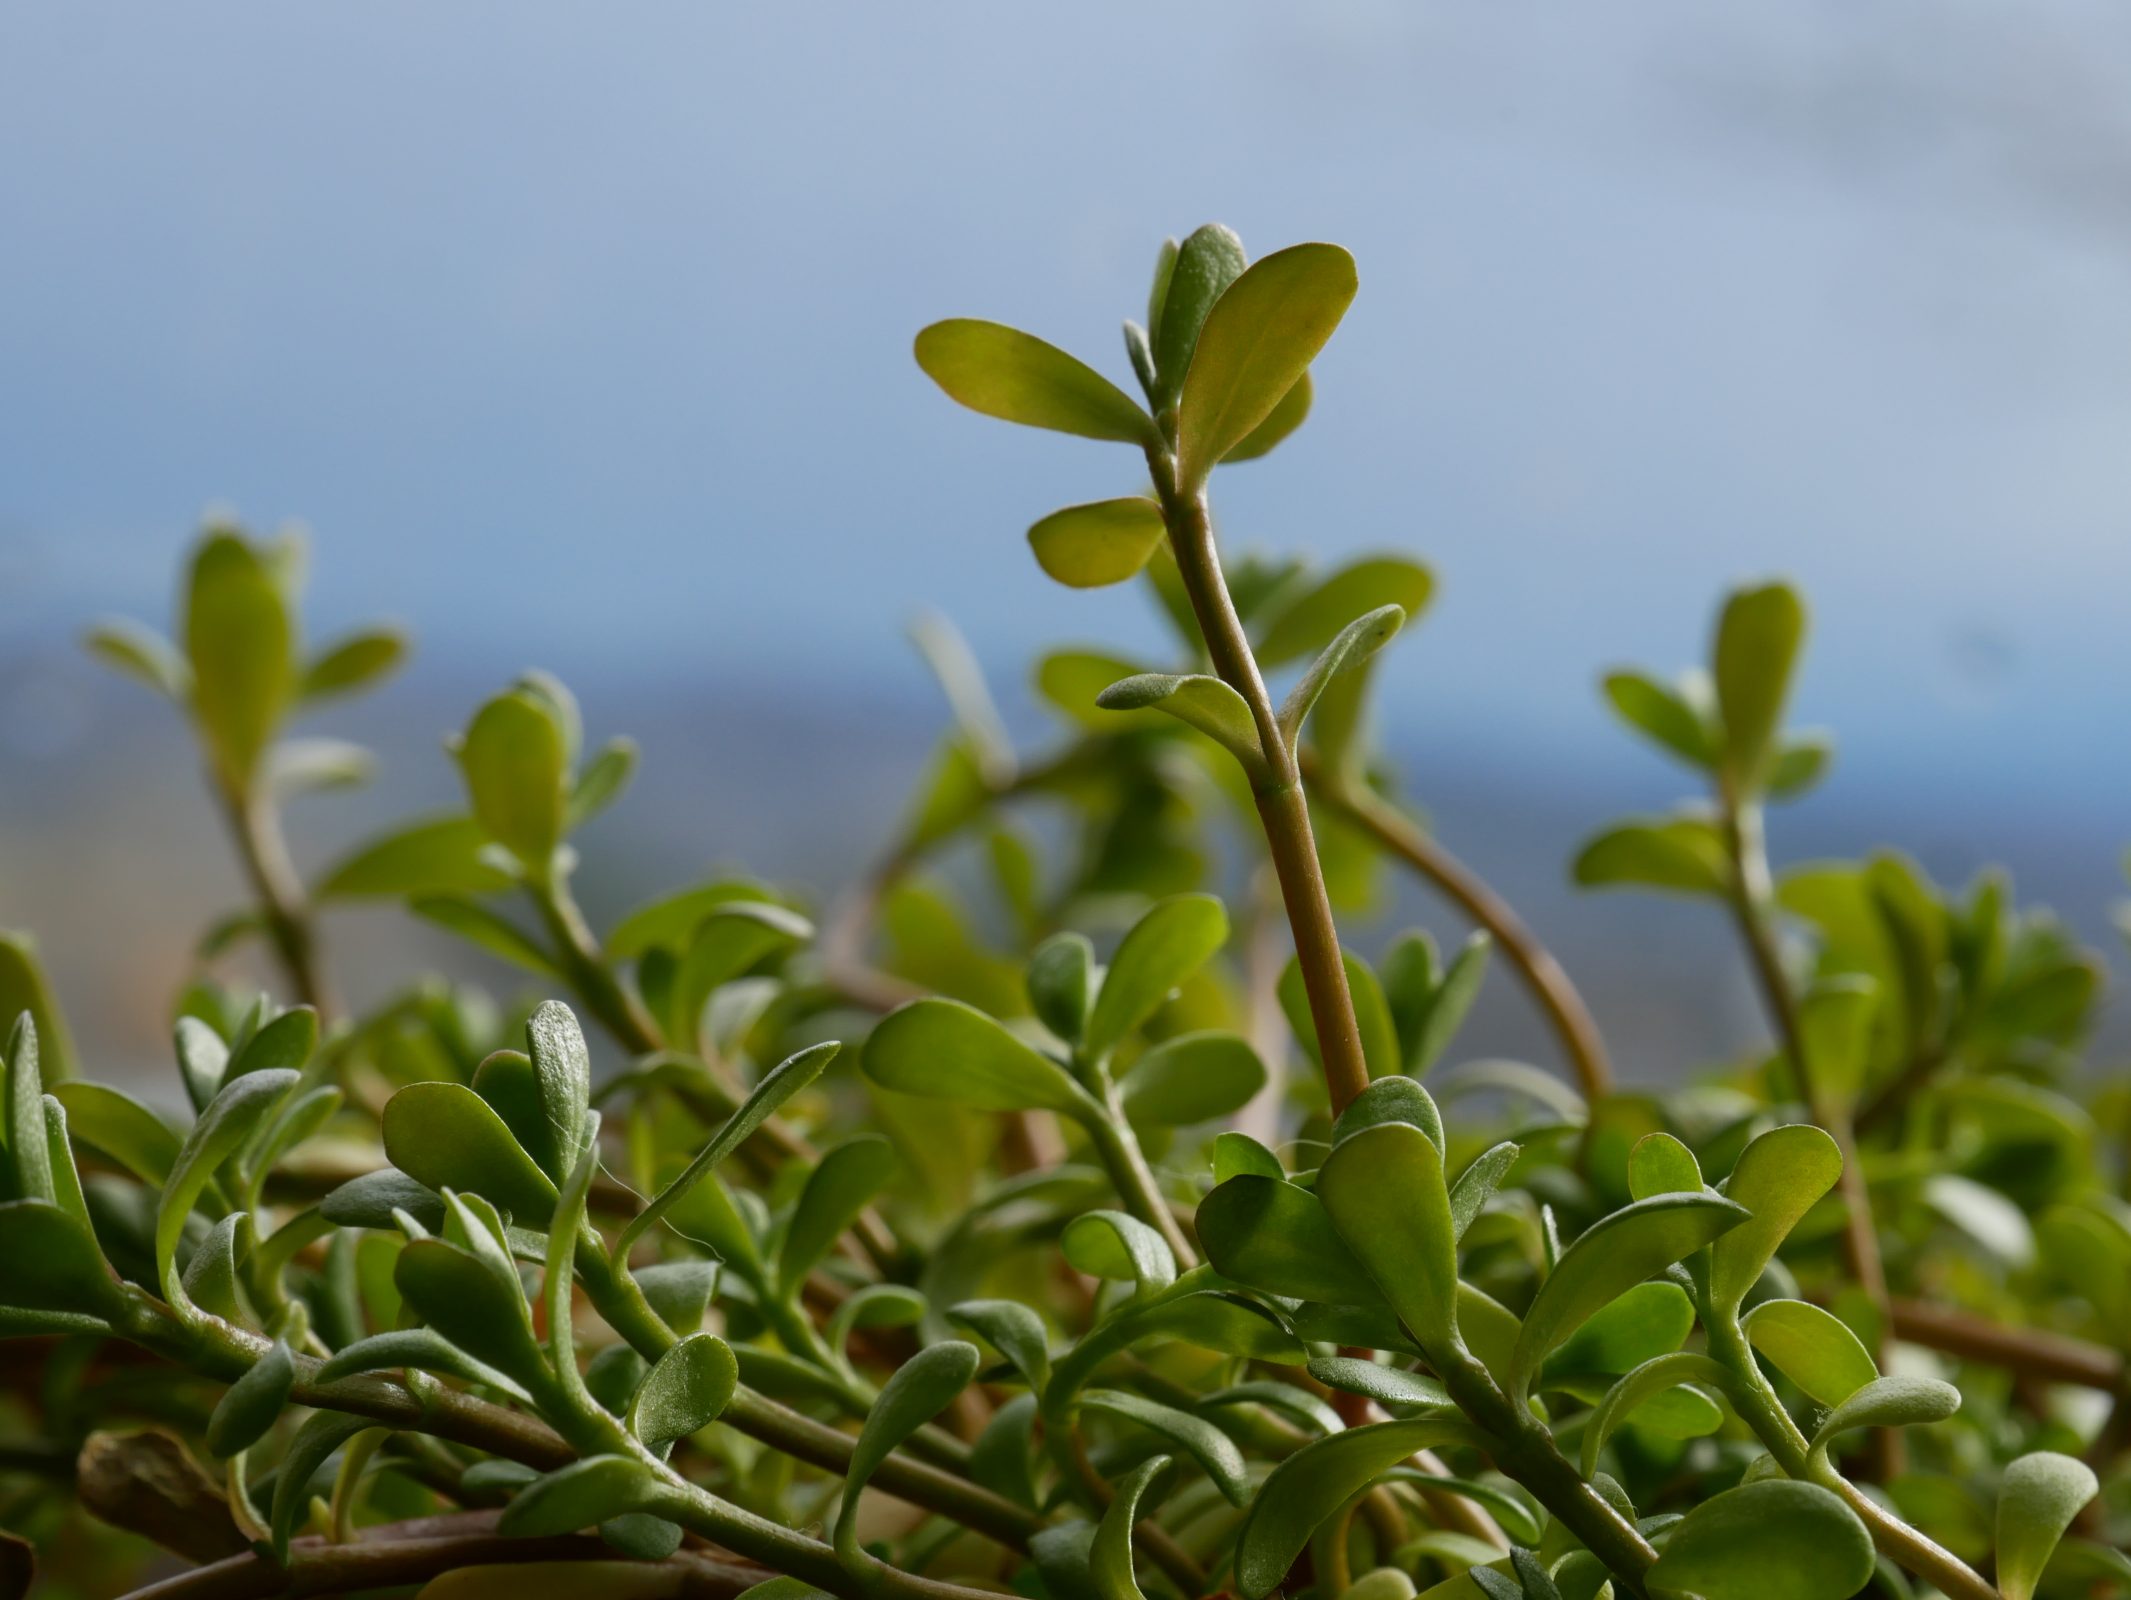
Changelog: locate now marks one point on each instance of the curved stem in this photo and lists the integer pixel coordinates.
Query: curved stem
(1396, 835)
(1134, 1180)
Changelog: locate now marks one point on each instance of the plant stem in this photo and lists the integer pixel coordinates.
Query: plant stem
(1543, 975)
(255, 826)
(1282, 807)
(1753, 907)
(1122, 1158)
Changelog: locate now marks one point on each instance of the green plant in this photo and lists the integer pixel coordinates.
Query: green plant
(1031, 1259)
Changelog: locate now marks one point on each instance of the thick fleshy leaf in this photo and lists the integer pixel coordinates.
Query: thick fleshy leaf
(1813, 1348)
(25, 988)
(1014, 1330)
(514, 758)
(1061, 981)
(27, 1162)
(1110, 1244)
(354, 662)
(203, 1057)
(445, 1136)
(1290, 414)
(1890, 1403)
(229, 1120)
(578, 1496)
(1758, 637)
(473, 1306)
(1307, 615)
(1383, 1189)
(1277, 1238)
(322, 1434)
(1236, 1155)
(1664, 714)
(1196, 700)
(1428, 1010)
(1206, 263)
(441, 855)
(53, 1263)
(1206, 1444)
(1478, 1182)
(1398, 1391)
(945, 1050)
(1316, 1481)
(920, 1390)
(250, 1405)
(1800, 762)
(1645, 1384)
(1165, 947)
(1682, 854)
(1609, 1258)
(423, 1349)
(1773, 1540)
(1256, 344)
(240, 642)
(1395, 1098)
(730, 940)
(369, 1201)
(842, 1183)
(285, 1043)
(2037, 1501)
(1777, 1178)
(1353, 645)
(1110, 1553)
(497, 934)
(670, 922)
(1102, 542)
(1017, 377)
(778, 1085)
(1660, 1164)
(685, 1390)
(562, 1070)
(1646, 1321)
(1192, 1078)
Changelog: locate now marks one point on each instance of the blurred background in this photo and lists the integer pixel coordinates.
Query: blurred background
(580, 339)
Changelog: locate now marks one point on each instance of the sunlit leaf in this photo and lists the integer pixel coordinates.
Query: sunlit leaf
(1104, 542)
(1015, 376)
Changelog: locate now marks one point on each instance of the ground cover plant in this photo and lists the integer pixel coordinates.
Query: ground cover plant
(1066, 1209)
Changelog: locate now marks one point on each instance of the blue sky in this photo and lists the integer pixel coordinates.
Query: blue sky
(579, 335)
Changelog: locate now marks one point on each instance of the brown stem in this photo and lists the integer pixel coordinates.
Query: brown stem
(2032, 1352)
(1396, 834)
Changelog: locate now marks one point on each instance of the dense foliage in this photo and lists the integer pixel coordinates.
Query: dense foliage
(1084, 1243)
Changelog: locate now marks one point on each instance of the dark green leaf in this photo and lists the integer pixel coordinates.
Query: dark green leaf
(445, 1136)
(1773, 1540)
(1392, 1099)
(22, 1116)
(1104, 542)
(1398, 1391)
(1237, 1154)
(1276, 1238)
(203, 1057)
(1012, 1329)
(1110, 1553)
(1372, 1014)
(1061, 981)
(249, 1407)
(322, 1434)
(423, 1349)
(579, 1495)
(562, 1070)
(1015, 376)
(1206, 1444)
(843, 1181)
(370, 1200)
(285, 1043)
(475, 1307)
(685, 1390)
(53, 1263)
(1257, 342)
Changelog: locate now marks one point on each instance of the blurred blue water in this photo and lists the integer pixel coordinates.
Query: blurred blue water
(580, 337)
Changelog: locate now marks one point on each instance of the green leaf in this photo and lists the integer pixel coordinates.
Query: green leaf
(1657, 1376)
(1165, 947)
(1393, 1099)
(240, 640)
(846, 1177)
(1192, 1078)
(1426, 1010)
(562, 1070)
(1682, 854)
(1110, 1244)
(1470, 1194)
(1237, 1154)
(1383, 1189)
(579, 1495)
(777, 1085)
(1649, 1320)
(1813, 1348)
(210, 1277)
(1890, 1403)
(284, 1044)
(53, 1263)
(1014, 1330)
(1257, 342)
(1354, 644)
(1801, 761)
(1198, 701)
(2037, 1500)
(1664, 714)
(731, 939)
(1316, 1481)
(322, 1433)
(308, 766)
(1204, 266)
(1061, 981)
(601, 783)
(1372, 1014)
(1398, 1391)
(475, 1306)
(424, 1350)
(1110, 1555)
(670, 922)
(202, 1059)
(514, 758)
(1214, 1451)
(1758, 637)
(140, 652)
(1777, 1178)
(480, 926)
(945, 1050)
(353, 663)
(249, 1407)
(1659, 1164)
(22, 1117)
(1313, 617)
(1015, 376)
(1773, 1540)
(920, 1389)
(685, 1390)
(1104, 542)
(368, 1201)
(1277, 1238)
(23, 987)
(1292, 411)
(229, 1120)
(445, 1136)
(441, 855)
(1609, 1258)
